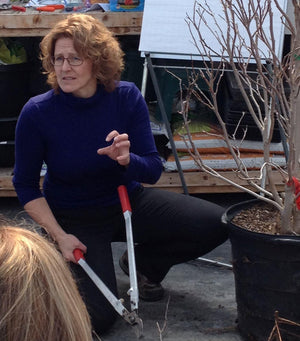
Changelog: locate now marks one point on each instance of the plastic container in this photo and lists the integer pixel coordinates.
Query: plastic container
(170, 87)
(267, 278)
(7, 128)
(7, 153)
(133, 71)
(14, 88)
(236, 125)
(233, 106)
(126, 5)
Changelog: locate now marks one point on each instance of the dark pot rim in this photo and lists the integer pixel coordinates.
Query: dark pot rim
(234, 229)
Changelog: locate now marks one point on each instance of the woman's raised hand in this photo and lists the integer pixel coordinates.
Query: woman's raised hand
(119, 149)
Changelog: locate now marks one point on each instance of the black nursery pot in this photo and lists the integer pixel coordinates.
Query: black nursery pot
(267, 279)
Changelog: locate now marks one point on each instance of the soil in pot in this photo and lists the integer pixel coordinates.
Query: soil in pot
(261, 218)
(267, 272)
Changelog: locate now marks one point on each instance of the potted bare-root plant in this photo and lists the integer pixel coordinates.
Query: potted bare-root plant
(266, 260)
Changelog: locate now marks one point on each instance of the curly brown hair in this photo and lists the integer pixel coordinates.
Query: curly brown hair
(92, 40)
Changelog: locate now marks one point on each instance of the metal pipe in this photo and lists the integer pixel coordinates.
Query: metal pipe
(228, 266)
(166, 121)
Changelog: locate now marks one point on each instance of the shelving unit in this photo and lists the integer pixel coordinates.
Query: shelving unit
(35, 24)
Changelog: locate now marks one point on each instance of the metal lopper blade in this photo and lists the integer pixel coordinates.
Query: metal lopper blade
(131, 317)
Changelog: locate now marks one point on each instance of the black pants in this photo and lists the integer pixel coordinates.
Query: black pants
(169, 229)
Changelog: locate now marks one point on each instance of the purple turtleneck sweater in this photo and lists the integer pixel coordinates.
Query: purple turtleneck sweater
(65, 132)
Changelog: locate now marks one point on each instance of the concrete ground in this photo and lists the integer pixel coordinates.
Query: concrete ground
(199, 303)
(200, 296)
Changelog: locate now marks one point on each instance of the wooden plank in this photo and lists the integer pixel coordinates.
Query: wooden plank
(7, 194)
(6, 185)
(32, 23)
(197, 182)
(200, 182)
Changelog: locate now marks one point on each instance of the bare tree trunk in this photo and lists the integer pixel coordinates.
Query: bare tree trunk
(294, 134)
(267, 89)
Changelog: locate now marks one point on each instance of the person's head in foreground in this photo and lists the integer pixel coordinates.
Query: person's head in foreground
(39, 298)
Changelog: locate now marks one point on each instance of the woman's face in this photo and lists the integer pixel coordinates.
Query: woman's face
(76, 79)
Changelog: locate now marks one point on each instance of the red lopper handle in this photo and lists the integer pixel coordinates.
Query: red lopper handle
(78, 254)
(123, 195)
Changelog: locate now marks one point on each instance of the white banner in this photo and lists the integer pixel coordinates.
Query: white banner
(165, 32)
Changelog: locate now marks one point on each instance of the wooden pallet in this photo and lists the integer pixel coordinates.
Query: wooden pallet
(200, 182)
(35, 24)
(197, 182)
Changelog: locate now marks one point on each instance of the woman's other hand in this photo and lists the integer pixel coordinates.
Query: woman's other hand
(67, 244)
(119, 149)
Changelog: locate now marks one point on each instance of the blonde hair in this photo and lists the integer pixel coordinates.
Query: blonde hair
(92, 40)
(39, 298)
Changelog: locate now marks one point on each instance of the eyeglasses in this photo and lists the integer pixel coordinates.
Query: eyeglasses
(72, 60)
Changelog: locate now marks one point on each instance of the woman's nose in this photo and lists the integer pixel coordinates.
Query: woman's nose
(66, 65)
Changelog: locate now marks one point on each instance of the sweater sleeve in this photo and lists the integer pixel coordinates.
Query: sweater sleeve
(145, 163)
(29, 149)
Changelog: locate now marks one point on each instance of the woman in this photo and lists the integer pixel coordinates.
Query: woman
(39, 298)
(93, 132)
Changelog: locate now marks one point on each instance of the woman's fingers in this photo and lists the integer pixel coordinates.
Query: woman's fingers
(119, 149)
(123, 145)
(68, 244)
(111, 135)
(103, 151)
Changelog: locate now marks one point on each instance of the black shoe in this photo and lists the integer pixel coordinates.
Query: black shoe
(148, 291)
